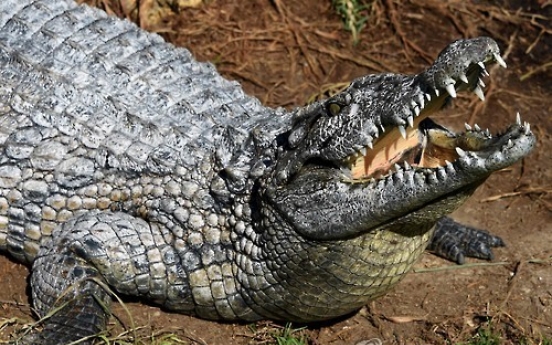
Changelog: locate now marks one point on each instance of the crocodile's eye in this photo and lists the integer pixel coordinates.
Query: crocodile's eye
(334, 109)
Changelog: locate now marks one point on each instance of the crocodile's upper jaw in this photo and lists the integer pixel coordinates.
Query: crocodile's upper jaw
(423, 143)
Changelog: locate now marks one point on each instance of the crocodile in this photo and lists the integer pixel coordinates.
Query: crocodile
(128, 167)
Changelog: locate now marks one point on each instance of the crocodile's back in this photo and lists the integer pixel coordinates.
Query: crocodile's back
(86, 100)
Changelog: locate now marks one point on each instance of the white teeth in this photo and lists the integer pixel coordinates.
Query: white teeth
(481, 83)
(382, 129)
(463, 77)
(487, 133)
(399, 173)
(428, 97)
(370, 145)
(403, 132)
(483, 69)
(437, 92)
(460, 152)
(510, 143)
(518, 119)
(431, 177)
(451, 90)
(417, 111)
(410, 120)
(413, 104)
(407, 166)
(363, 151)
(441, 173)
(499, 60)
(477, 128)
(397, 167)
(421, 101)
(479, 92)
(527, 128)
(468, 127)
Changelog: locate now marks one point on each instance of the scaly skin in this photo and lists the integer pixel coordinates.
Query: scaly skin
(125, 163)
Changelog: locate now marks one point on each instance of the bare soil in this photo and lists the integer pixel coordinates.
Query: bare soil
(286, 52)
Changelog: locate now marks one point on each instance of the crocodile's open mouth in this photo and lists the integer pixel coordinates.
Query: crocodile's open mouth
(425, 144)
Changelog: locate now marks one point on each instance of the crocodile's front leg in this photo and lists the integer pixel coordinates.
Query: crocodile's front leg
(455, 241)
(85, 255)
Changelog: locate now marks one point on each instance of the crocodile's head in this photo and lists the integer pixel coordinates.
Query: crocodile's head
(371, 155)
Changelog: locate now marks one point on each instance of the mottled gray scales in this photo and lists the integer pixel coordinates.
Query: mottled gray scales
(126, 163)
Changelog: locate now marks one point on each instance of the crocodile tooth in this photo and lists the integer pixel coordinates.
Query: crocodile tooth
(450, 89)
(407, 166)
(363, 151)
(420, 179)
(437, 92)
(483, 69)
(399, 175)
(488, 133)
(468, 127)
(477, 128)
(431, 177)
(397, 167)
(463, 77)
(413, 104)
(427, 96)
(510, 143)
(416, 111)
(403, 131)
(499, 60)
(370, 145)
(449, 167)
(479, 92)
(421, 100)
(382, 129)
(480, 82)
(441, 173)
(410, 120)
(461, 152)
(527, 128)
(518, 119)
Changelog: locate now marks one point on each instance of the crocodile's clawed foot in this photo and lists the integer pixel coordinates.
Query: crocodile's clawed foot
(455, 241)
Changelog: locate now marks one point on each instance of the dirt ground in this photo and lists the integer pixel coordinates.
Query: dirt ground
(284, 52)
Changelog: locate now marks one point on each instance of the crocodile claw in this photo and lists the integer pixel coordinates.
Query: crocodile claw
(455, 242)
